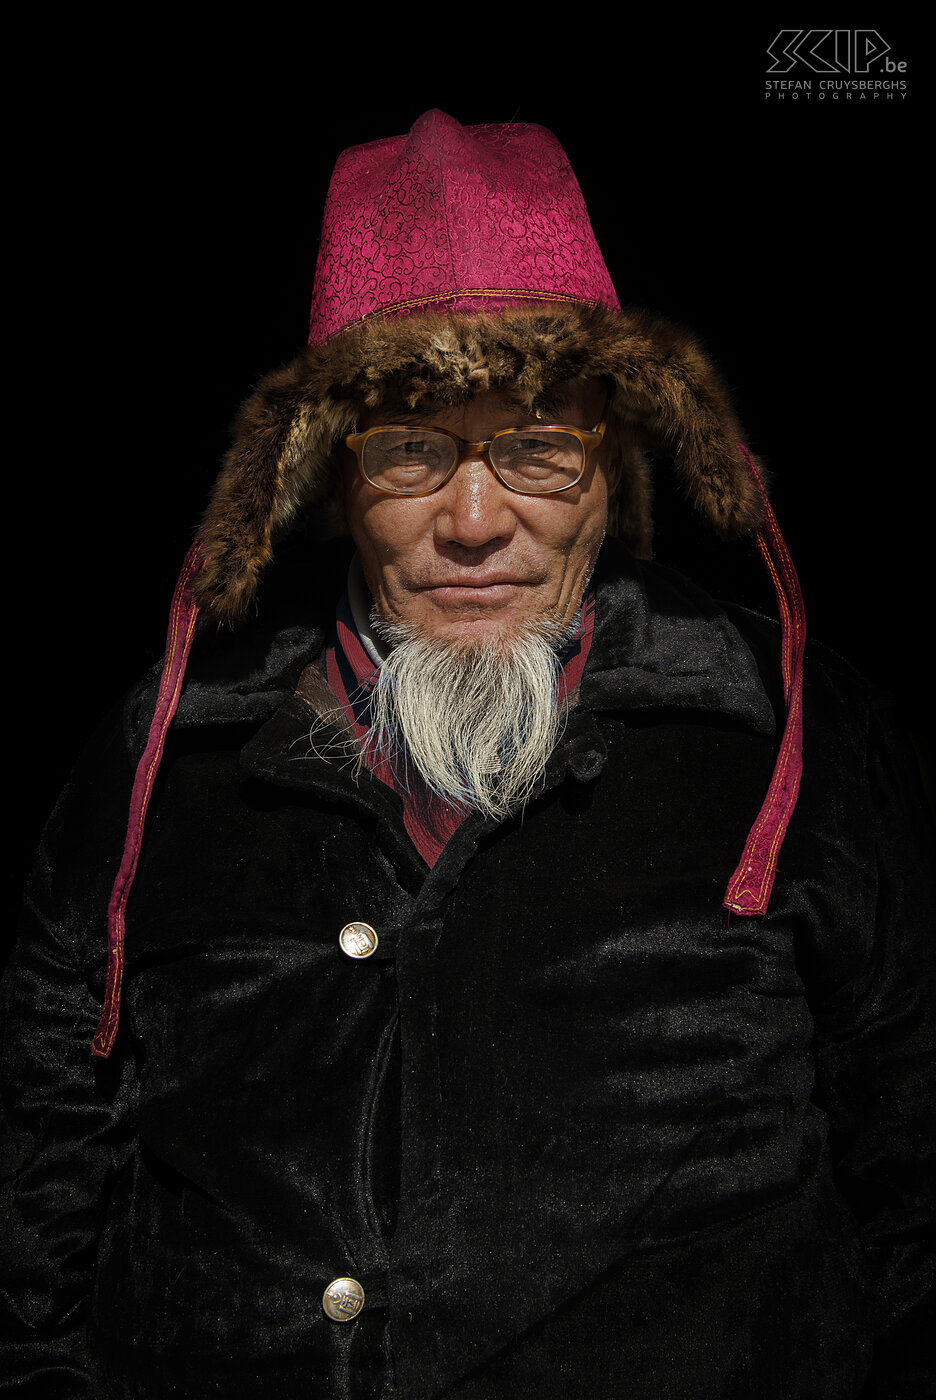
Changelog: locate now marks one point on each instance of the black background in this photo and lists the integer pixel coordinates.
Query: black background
(172, 191)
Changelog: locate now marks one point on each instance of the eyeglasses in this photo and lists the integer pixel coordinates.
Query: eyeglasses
(533, 461)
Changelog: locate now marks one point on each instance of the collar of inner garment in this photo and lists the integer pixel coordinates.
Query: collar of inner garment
(360, 602)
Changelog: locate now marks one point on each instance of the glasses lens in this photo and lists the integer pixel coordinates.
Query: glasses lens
(407, 460)
(538, 461)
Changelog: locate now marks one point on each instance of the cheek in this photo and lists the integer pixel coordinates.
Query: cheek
(373, 528)
(584, 539)
(388, 533)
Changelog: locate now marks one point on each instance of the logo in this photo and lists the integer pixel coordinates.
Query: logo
(797, 54)
(832, 51)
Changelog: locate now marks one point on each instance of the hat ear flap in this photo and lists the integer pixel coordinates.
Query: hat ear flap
(670, 397)
(279, 462)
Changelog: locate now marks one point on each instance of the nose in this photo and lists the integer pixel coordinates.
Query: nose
(474, 508)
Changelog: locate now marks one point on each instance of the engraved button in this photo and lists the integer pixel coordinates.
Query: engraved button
(358, 940)
(343, 1299)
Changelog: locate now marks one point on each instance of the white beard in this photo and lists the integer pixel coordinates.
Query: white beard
(477, 719)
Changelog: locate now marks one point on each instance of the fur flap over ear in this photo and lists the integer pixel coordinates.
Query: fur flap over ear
(667, 396)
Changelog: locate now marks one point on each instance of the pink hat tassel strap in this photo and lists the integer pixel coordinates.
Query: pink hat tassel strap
(749, 889)
(182, 619)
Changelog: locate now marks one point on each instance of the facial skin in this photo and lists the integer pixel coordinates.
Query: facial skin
(474, 558)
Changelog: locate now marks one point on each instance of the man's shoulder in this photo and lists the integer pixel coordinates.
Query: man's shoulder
(239, 676)
(653, 612)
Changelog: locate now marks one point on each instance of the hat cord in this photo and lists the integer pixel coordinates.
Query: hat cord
(750, 886)
(182, 618)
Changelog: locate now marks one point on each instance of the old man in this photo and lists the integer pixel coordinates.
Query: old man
(512, 962)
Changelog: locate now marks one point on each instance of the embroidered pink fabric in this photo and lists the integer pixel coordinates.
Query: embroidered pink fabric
(453, 218)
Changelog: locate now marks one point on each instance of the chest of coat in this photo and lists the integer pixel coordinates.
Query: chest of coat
(566, 982)
(564, 1053)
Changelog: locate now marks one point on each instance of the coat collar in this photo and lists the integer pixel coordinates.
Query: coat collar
(662, 643)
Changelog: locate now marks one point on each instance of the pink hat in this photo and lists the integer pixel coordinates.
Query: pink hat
(453, 218)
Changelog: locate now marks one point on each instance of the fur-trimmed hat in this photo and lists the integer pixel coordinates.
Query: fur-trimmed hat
(455, 260)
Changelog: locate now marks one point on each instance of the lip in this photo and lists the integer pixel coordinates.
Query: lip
(487, 581)
(493, 590)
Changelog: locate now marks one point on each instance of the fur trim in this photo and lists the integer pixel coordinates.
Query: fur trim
(667, 396)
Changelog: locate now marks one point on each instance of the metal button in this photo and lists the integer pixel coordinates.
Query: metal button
(343, 1299)
(358, 940)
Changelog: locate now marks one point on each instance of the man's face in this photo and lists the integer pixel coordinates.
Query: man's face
(474, 558)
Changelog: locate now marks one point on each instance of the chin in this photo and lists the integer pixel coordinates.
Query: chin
(471, 626)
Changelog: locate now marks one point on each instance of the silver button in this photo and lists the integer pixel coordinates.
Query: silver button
(358, 940)
(343, 1299)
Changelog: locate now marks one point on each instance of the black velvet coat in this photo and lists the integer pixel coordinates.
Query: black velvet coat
(575, 1129)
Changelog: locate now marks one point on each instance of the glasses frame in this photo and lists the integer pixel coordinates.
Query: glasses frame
(466, 449)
